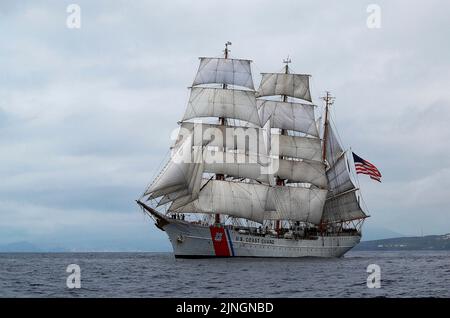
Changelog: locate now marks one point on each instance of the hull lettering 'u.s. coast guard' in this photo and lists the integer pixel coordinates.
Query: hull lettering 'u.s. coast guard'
(255, 173)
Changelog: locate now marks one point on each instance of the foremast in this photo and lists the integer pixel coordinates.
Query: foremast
(222, 89)
(223, 122)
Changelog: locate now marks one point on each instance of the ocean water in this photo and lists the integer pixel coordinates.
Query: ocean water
(403, 274)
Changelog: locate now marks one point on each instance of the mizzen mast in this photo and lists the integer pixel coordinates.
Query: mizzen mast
(286, 71)
(329, 100)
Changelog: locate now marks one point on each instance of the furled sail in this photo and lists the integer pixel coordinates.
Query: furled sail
(298, 147)
(219, 102)
(224, 71)
(290, 116)
(293, 85)
(295, 204)
(343, 207)
(301, 171)
(238, 199)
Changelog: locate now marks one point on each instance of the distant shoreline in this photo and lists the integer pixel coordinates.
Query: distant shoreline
(414, 243)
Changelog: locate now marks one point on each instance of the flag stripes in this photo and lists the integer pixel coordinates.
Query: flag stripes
(365, 167)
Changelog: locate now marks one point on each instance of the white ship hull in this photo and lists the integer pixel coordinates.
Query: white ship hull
(197, 241)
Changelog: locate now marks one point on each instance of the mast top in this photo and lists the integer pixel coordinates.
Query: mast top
(227, 50)
(329, 100)
(286, 61)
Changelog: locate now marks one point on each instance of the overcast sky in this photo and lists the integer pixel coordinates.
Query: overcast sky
(86, 114)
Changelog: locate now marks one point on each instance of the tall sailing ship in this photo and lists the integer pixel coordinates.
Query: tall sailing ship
(255, 173)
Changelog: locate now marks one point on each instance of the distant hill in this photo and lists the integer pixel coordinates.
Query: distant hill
(371, 233)
(430, 242)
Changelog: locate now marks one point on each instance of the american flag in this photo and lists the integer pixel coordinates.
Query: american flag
(365, 167)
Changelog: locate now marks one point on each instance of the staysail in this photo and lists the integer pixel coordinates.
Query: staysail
(333, 147)
(182, 171)
(342, 203)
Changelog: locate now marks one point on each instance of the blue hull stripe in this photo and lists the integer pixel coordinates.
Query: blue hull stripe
(230, 243)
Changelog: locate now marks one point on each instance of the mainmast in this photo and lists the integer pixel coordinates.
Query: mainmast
(328, 102)
(297, 146)
(280, 181)
(284, 98)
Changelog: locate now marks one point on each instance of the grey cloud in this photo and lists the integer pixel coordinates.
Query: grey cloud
(85, 115)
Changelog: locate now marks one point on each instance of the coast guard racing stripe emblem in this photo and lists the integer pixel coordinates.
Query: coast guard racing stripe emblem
(220, 242)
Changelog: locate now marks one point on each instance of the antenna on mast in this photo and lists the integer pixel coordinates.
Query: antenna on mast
(286, 61)
(227, 50)
(329, 100)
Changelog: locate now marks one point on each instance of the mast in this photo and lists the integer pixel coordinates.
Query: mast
(280, 181)
(286, 71)
(299, 155)
(222, 121)
(328, 102)
(342, 204)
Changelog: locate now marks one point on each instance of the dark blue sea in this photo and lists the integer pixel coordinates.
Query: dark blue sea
(403, 274)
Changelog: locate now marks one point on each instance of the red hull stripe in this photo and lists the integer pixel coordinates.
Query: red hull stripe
(220, 241)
